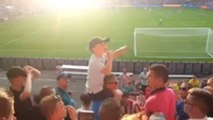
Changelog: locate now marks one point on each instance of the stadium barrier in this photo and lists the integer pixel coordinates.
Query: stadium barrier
(207, 69)
(172, 67)
(198, 68)
(188, 68)
(138, 67)
(114, 66)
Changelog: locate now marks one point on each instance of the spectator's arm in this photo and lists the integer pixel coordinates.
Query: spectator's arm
(28, 87)
(108, 67)
(71, 112)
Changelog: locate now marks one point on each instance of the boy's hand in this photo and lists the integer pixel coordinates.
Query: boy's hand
(33, 71)
(109, 55)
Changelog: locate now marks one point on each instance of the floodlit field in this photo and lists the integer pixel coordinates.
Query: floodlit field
(66, 35)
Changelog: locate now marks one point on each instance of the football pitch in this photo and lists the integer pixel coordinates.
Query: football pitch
(66, 34)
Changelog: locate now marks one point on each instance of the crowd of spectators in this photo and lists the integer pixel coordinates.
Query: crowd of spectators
(107, 97)
(190, 102)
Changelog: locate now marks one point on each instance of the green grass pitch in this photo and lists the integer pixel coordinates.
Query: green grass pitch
(66, 35)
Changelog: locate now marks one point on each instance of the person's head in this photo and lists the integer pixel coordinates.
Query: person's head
(52, 106)
(6, 105)
(125, 98)
(63, 81)
(184, 90)
(210, 82)
(98, 46)
(157, 76)
(145, 69)
(194, 77)
(109, 110)
(17, 76)
(209, 88)
(45, 91)
(110, 82)
(124, 70)
(85, 100)
(198, 103)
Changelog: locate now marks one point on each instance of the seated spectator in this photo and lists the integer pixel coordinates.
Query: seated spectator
(6, 105)
(181, 115)
(52, 107)
(45, 91)
(36, 111)
(109, 110)
(21, 85)
(161, 99)
(194, 81)
(111, 84)
(129, 105)
(203, 83)
(198, 104)
(85, 112)
(130, 87)
(85, 102)
(209, 88)
(124, 79)
(142, 76)
(61, 90)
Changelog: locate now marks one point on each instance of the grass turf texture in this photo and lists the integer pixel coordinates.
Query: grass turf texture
(66, 35)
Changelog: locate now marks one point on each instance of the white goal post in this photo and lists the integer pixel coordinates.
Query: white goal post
(182, 42)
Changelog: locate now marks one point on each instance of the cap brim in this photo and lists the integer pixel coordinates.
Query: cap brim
(106, 40)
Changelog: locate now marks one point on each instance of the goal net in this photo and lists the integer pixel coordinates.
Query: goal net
(173, 42)
(209, 44)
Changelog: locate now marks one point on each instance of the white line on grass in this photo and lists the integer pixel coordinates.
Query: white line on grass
(17, 39)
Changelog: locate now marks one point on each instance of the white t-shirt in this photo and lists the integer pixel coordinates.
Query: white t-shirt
(95, 78)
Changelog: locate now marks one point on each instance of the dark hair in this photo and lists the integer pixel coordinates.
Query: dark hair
(85, 98)
(161, 71)
(45, 91)
(109, 110)
(203, 99)
(63, 75)
(14, 72)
